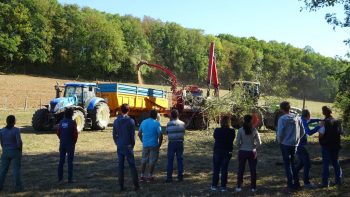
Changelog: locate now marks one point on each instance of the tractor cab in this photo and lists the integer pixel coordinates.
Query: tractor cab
(81, 92)
(251, 89)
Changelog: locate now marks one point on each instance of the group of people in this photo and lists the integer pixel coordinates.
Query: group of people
(292, 133)
(150, 134)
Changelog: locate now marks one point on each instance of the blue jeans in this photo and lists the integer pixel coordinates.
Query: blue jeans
(330, 156)
(7, 156)
(175, 147)
(128, 153)
(304, 162)
(69, 151)
(221, 159)
(288, 154)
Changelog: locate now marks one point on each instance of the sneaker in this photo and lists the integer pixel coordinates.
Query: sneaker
(223, 189)
(151, 179)
(254, 190)
(310, 186)
(238, 189)
(213, 188)
(142, 179)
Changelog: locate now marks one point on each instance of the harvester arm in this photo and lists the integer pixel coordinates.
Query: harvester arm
(168, 72)
(212, 77)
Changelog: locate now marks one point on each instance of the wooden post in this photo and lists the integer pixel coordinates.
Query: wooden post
(25, 104)
(304, 102)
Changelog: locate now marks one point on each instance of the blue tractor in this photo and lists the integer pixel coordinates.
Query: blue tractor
(89, 110)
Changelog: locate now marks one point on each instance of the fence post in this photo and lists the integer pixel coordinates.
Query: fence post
(25, 104)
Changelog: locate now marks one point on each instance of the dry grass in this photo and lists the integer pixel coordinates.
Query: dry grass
(95, 167)
(95, 161)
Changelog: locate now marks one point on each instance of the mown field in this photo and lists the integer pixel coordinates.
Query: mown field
(95, 161)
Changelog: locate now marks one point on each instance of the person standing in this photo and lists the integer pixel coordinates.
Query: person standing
(223, 146)
(248, 139)
(150, 134)
(289, 132)
(302, 153)
(11, 143)
(176, 132)
(124, 139)
(330, 145)
(68, 135)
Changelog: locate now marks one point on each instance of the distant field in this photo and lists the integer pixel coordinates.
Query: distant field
(95, 162)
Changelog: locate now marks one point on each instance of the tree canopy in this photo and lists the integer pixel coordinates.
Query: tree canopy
(45, 37)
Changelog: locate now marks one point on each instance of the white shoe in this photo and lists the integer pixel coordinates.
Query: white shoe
(223, 189)
(212, 188)
(238, 189)
(254, 190)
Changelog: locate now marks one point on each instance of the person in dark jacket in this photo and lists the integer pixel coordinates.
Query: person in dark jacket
(68, 134)
(330, 145)
(222, 154)
(124, 139)
(11, 143)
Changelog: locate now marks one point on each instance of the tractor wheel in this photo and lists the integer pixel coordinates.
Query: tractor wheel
(79, 119)
(40, 120)
(100, 116)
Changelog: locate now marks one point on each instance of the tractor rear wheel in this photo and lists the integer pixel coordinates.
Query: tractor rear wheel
(100, 116)
(79, 119)
(40, 120)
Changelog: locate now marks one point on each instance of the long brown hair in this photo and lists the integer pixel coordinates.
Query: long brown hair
(247, 124)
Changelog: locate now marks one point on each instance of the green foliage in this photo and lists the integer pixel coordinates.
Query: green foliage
(74, 41)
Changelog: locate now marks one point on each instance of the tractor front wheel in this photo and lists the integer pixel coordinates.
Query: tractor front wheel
(79, 119)
(100, 116)
(41, 121)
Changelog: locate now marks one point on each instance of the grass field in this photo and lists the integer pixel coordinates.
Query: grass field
(95, 161)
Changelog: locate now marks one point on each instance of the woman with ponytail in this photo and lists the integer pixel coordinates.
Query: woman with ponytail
(248, 139)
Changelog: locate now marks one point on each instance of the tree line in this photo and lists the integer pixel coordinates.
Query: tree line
(45, 37)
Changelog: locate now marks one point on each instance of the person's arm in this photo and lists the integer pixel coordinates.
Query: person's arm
(132, 131)
(160, 135)
(239, 138)
(115, 133)
(280, 128)
(59, 131)
(307, 128)
(257, 139)
(140, 133)
(19, 140)
(75, 132)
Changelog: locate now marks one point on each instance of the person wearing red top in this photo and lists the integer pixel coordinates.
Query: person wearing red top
(68, 134)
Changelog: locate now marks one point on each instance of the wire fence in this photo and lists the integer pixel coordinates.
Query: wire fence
(24, 103)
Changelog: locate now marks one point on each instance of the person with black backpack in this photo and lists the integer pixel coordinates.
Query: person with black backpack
(330, 145)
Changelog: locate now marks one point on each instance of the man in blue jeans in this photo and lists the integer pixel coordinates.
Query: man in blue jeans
(330, 144)
(11, 143)
(68, 134)
(303, 155)
(176, 132)
(289, 132)
(124, 138)
(150, 134)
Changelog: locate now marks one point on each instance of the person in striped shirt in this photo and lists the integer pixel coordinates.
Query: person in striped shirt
(175, 130)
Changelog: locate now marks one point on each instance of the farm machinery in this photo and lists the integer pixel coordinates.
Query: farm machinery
(89, 110)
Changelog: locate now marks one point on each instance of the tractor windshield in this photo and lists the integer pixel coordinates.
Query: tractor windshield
(74, 91)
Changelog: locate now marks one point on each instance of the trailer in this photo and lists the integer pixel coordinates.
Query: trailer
(141, 100)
